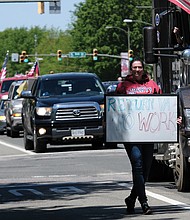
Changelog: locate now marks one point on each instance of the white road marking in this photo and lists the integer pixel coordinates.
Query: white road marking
(67, 189)
(168, 200)
(17, 193)
(160, 197)
(16, 148)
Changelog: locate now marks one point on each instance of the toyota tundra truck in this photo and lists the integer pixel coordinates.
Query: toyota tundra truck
(63, 108)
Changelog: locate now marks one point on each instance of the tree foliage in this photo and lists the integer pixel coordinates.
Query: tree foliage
(36, 41)
(89, 31)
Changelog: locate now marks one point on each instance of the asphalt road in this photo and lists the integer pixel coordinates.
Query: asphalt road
(77, 183)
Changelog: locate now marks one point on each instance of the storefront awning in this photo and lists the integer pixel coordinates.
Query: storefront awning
(184, 4)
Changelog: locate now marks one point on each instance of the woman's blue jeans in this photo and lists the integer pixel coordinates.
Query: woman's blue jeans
(141, 156)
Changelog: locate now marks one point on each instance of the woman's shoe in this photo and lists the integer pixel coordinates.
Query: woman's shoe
(146, 209)
(130, 203)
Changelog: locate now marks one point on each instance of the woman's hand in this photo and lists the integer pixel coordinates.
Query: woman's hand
(179, 120)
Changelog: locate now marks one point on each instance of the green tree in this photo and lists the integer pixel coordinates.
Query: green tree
(18, 40)
(89, 31)
(36, 41)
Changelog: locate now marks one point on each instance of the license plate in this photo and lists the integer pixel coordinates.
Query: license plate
(77, 132)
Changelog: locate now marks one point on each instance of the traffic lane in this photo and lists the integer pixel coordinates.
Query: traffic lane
(90, 184)
(13, 139)
(97, 199)
(77, 163)
(11, 149)
(13, 146)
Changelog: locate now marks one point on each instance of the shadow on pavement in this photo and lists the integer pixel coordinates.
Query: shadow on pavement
(71, 201)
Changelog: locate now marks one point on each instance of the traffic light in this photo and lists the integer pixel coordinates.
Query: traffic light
(95, 54)
(130, 55)
(40, 7)
(59, 55)
(26, 59)
(23, 57)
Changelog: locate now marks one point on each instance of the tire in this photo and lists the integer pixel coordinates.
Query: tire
(8, 132)
(182, 168)
(28, 144)
(39, 145)
(13, 133)
(1, 132)
(160, 172)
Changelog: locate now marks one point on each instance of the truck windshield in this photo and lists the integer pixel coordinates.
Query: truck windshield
(64, 87)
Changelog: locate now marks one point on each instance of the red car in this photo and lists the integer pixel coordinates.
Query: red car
(6, 83)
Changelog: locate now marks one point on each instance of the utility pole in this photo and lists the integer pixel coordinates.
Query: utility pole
(35, 46)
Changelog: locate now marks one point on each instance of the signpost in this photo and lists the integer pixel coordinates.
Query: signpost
(14, 57)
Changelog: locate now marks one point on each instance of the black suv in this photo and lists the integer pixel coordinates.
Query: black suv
(63, 108)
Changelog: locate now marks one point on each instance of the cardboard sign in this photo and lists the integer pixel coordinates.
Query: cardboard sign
(141, 118)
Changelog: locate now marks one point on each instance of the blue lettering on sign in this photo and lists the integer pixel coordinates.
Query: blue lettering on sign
(127, 105)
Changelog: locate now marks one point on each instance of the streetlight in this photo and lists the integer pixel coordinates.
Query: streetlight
(127, 32)
(139, 21)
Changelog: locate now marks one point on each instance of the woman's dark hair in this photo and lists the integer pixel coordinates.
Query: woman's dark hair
(136, 59)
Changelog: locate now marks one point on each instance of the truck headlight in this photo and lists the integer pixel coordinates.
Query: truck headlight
(43, 111)
(2, 118)
(102, 109)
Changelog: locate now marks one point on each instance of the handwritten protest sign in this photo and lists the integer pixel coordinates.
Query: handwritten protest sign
(141, 118)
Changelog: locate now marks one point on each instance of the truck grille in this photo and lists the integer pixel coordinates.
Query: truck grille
(77, 113)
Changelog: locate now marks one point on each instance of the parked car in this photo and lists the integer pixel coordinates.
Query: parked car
(13, 108)
(2, 114)
(63, 108)
(110, 86)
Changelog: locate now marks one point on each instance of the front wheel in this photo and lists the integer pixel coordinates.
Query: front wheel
(14, 133)
(28, 144)
(39, 145)
(182, 168)
(8, 132)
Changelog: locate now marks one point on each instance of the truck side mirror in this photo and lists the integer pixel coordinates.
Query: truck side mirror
(150, 42)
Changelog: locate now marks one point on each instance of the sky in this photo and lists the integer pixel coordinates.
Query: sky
(17, 15)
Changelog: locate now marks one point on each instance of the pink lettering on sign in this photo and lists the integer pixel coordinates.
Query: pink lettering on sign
(155, 121)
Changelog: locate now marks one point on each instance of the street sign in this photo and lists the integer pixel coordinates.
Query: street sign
(14, 57)
(77, 54)
(55, 7)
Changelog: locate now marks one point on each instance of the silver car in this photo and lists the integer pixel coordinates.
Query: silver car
(13, 108)
(2, 114)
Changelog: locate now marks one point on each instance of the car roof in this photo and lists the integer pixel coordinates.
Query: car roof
(15, 78)
(68, 75)
(17, 83)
